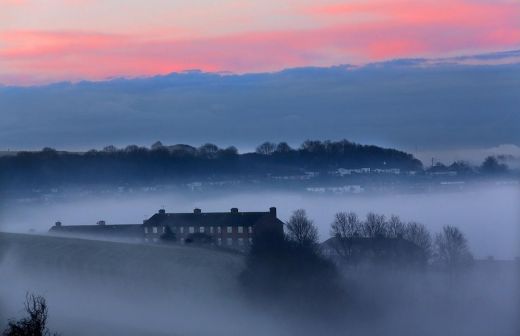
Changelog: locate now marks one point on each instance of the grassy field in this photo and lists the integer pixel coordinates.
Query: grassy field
(109, 288)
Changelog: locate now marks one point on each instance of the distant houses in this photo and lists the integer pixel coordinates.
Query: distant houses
(233, 229)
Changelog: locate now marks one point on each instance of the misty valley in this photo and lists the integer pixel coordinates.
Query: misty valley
(333, 238)
(254, 168)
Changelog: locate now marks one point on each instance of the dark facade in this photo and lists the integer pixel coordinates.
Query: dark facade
(231, 229)
(100, 231)
(378, 250)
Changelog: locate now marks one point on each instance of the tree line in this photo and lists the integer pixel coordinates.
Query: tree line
(159, 163)
(295, 272)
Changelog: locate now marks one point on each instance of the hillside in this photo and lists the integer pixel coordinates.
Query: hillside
(115, 285)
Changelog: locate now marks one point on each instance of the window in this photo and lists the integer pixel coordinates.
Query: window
(211, 229)
(250, 241)
(191, 229)
(182, 229)
(230, 241)
(240, 229)
(240, 241)
(164, 229)
(145, 229)
(219, 241)
(201, 229)
(229, 229)
(250, 229)
(154, 229)
(219, 229)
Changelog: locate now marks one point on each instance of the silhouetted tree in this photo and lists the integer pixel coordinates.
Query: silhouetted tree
(374, 226)
(346, 225)
(229, 152)
(283, 147)
(290, 272)
(418, 234)
(208, 150)
(301, 230)
(35, 324)
(110, 149)
(395, 227)
(451, 249)
(267, 148)
(131, 148)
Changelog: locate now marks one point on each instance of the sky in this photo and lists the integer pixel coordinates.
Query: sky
(43, 41)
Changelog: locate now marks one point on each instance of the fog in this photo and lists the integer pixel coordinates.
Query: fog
(108, 288)
(489, 216)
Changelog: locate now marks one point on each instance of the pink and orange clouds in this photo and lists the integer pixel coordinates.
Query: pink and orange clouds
(44, 41)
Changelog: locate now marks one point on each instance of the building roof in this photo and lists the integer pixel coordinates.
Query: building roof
(377, 242)
(107, 230)
(211, 218)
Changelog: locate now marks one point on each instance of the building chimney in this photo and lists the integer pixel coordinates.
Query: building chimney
(234, 210)
(197, 211)
(58, 223)
(162, 211)
(272, 211)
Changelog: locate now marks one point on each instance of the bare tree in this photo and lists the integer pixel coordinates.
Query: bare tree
(35, 324)
(418, 234)
(301, 229)
(395, 227)
(451, 248)
(346, 225)
(267, 148)
(208, 150)
(374, 226)
(283, 147)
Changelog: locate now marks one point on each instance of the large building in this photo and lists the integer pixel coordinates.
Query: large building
(233, 229)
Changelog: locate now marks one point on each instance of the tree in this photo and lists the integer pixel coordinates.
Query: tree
(208, 150)
(229, 152)
(395, 227)
(110, 149)
(418, 234)
(346, 225)
(131, 148)
(451, 249)
(283, 147)
(491, 165)
(312, 146)
(289, 273)
(33, 325)
(374, 226)
(267, 148)
(301, 230)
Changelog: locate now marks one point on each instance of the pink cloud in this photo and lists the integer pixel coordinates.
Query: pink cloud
(401, 28)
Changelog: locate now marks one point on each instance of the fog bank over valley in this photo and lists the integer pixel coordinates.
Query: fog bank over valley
(489, 216)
